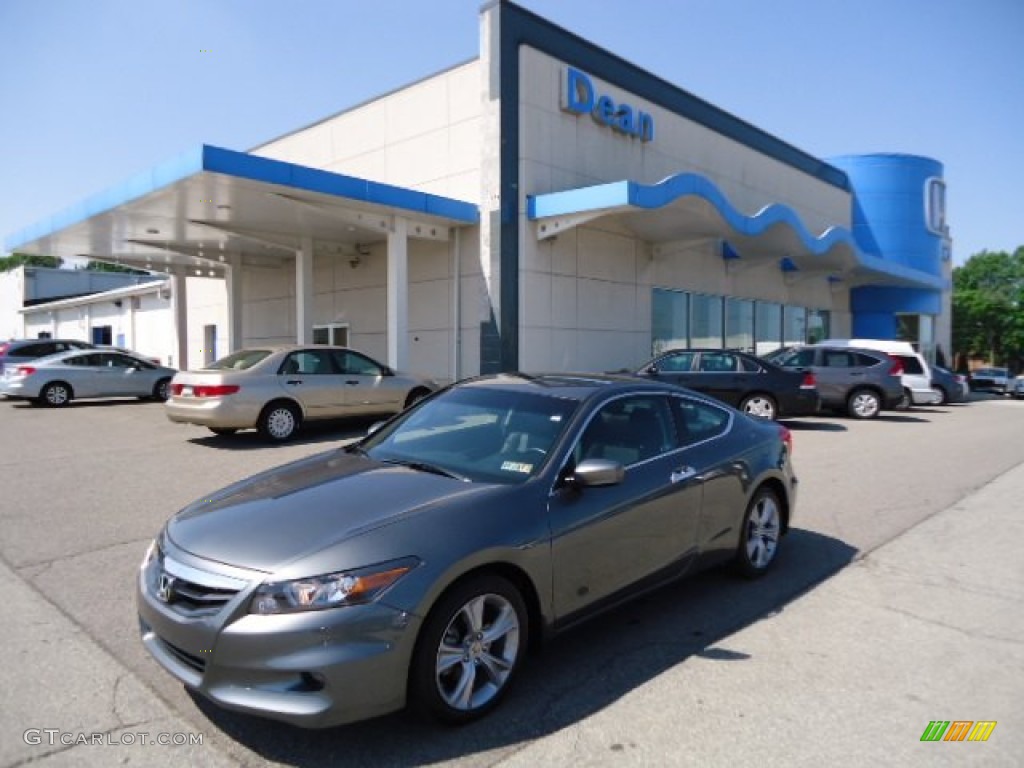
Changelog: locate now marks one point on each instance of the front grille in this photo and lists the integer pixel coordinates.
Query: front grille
(198, 599)
(189, 591)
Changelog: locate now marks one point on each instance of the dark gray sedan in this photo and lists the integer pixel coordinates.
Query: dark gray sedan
(418, 564)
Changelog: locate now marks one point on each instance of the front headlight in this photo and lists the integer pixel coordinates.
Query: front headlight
(329, 590)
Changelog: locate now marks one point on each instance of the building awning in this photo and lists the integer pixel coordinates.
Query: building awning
(198, 210)
(688, 207)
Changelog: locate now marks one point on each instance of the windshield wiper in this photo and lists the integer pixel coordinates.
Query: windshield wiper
(423, 466)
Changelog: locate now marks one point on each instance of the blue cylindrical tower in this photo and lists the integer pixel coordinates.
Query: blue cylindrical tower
(899, 208)
(899, 214)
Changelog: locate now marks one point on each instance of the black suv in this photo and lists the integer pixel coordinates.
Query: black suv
(859, 382)
(18, 351)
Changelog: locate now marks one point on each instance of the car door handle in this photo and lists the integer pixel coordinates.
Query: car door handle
(351, 382)
(293, 381)
(682, 473)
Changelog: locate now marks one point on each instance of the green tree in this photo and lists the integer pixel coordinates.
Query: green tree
(106, 266)
(15, 260)
(988, 307)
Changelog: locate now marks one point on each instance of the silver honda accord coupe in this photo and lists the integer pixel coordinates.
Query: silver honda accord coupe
(417, 565)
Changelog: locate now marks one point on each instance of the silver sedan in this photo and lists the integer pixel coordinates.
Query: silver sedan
(58, 379)
(275, 388)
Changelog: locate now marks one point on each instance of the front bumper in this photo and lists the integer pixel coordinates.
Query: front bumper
(312, 669)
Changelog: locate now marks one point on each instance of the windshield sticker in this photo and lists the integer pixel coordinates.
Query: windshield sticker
(516, 466)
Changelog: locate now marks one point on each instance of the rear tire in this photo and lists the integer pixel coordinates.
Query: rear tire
(162, 390)
(56, 394)
(279, 422)
(415, 396)
(863, 404)
(905, 402)
(760, 534)
(760, 405)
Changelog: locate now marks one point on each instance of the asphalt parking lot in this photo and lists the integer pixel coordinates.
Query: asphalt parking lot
(897, 601)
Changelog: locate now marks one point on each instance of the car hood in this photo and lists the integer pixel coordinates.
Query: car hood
(284, 514)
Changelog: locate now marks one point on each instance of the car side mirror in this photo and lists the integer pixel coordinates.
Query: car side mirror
(598, 472)
(651, 369)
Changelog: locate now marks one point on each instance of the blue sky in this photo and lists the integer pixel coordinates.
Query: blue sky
(93, 91)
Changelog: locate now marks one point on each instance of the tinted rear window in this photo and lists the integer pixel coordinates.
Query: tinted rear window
(239, 361)
(910, 364)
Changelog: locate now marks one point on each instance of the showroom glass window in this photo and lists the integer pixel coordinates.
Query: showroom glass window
(670, 320)
(768, 326)
(818, 325)
(739, 324)
(705, 320)
(794, 326)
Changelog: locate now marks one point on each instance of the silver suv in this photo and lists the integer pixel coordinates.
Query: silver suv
(858, 382)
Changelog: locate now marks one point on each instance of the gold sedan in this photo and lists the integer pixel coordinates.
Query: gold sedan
(275, 388)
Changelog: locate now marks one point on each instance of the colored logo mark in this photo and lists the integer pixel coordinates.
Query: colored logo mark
(958, 730)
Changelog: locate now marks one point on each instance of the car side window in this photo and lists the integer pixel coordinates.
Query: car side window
(697, 421)
(629, 430)
(718, 362)
(308, 362)
(87, 361)
(798, 358)
(355, 364)
(677, 363)
(838, 359)
(911, 364)
(747, 366)
(121, 361)
(866, 361)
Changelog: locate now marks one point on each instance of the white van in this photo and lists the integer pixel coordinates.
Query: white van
(917, 375)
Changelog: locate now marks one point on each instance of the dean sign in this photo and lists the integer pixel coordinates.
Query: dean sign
(580, 97)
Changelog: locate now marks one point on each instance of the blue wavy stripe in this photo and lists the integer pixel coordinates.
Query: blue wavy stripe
(626, 195)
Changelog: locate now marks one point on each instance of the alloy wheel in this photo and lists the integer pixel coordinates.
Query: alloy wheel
(477, 653)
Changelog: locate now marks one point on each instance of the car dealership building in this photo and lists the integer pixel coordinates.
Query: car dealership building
(544, 206)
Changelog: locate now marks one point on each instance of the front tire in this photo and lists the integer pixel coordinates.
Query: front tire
(760, 405)
(279, 422)
(469, 650)
(760, 534)
(863, 404)
(56, 394)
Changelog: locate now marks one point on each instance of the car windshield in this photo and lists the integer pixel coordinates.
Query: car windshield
(475, 434)
(239, 361)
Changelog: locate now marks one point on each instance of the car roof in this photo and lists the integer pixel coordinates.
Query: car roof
(576, 386)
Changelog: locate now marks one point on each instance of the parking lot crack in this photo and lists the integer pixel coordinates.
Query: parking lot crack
(975, 634)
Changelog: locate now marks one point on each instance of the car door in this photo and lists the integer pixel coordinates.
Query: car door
(126, 377)
(673, 367)
(88, 374)
(310, 376)
(369, 386)
(606, 539)
(708, 453)
(722, 375)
